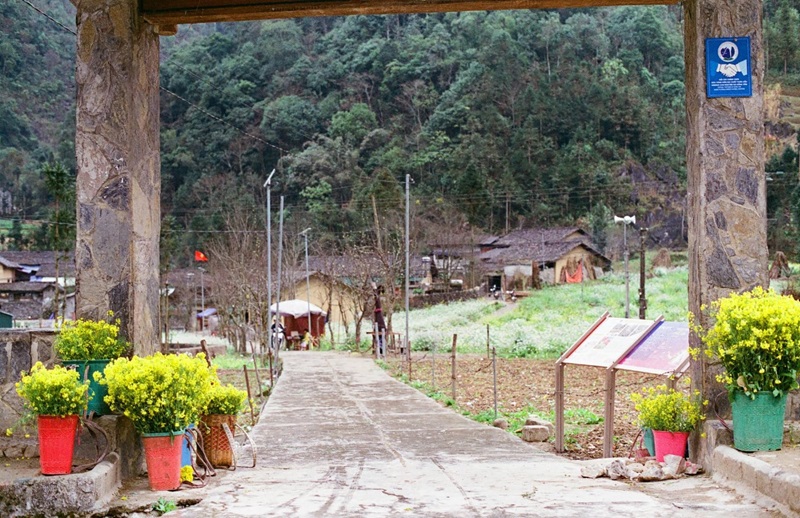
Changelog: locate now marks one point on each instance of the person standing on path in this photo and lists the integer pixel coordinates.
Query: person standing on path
(378, 321)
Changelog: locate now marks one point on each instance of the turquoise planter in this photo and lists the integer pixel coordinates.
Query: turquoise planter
(649, 441)
(97, 392)
(758, 423)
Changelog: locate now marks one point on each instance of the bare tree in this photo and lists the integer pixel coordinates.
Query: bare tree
(237, 270)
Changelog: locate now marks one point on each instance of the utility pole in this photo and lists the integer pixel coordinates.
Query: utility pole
(642, 298)
(308, 283)
(408, 219)
(627, 220)
(268, 185)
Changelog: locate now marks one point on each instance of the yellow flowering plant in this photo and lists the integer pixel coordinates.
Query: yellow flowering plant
(57, 391)
(667, 409)
(89, 340)
(225, 399)
(159, 393)
(756, 338)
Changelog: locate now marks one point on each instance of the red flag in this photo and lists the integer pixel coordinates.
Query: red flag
(200, 256)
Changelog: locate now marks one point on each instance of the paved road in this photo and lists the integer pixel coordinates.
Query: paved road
(339, 437)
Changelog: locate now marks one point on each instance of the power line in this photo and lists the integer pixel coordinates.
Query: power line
(50, 18)
(190, 103)
(209, 114)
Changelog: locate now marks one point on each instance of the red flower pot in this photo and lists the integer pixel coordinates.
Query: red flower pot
(162, 452)
(56, 443)
(670, 443)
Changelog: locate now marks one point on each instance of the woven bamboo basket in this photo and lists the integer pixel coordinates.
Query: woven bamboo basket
(215, 442)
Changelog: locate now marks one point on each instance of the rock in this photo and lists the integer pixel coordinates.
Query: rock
(500, 423)
(652, 472)
(533, 420)
(634, 476)
(674, 465)
(692, 468)
(636, 467)
(592, 471)
(535, 433)
(616, 470)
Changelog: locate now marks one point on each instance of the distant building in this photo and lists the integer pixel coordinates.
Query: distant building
(30, 281)
(560, 255)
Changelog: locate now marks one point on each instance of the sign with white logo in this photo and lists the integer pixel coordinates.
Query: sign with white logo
(728, 67)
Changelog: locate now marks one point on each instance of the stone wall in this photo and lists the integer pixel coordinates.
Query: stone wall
(19, 350)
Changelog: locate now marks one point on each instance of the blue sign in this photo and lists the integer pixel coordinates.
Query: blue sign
(728, 67)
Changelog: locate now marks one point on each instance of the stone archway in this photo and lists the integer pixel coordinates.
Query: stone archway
(117, 144)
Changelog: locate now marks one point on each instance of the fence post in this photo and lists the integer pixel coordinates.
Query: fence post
(494, 375)
(433, 366)
(453, 374)
(408, 355)
(487, 341)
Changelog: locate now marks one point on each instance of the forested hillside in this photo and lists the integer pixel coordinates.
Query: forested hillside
(502, 119)
(521, 117)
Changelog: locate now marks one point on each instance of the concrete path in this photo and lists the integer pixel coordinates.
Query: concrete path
(339, 437)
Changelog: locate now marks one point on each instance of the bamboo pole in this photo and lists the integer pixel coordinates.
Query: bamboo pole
(249, 395)
(453, 370)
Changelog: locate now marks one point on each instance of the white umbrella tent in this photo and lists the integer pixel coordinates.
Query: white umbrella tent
(294, 316)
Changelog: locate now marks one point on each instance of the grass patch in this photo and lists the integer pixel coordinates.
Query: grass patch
(232, 360)
(544, 324)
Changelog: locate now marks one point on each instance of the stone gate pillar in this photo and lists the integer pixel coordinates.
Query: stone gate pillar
(726, 180)
(118, 183)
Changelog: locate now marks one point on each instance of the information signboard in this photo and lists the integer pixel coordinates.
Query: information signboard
(663, 351)
(608, 342)
(728, 67)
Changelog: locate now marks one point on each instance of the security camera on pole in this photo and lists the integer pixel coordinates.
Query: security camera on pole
(627, 220)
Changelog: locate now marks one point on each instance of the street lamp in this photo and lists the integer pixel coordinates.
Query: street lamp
(627, 220)
(308, 283)
(268, 185)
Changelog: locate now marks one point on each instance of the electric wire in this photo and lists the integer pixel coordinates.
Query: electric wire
(162, 88)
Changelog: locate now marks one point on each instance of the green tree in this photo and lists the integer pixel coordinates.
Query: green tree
(783, 34)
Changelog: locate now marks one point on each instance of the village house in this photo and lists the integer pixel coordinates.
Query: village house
(559, 255)
(32, 281)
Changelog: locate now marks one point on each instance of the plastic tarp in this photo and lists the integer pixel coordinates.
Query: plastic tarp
(207, 313)
(296, 308)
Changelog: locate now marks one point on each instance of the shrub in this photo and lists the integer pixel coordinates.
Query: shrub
(756, 337)
(57, 391)
(225, 399)
(668, 410)
(159, 393)
(89, 340)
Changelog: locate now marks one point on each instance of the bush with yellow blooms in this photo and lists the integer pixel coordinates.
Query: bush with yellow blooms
(668, 410)
(55, 392)
(159, 393)
(756, 338)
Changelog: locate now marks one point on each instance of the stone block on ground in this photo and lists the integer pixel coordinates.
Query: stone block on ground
(535, 433)
(500, 423)
(652, 472)
(593, 471)
(533, 420)
(617, 470)
(674, 465)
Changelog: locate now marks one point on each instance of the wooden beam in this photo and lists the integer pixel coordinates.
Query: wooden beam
(171, 12)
